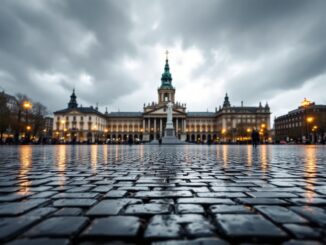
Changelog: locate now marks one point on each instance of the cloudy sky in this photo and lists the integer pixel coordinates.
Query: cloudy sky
(113, 52)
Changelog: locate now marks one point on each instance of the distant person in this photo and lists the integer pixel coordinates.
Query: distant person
(255, 138)
(160, 141)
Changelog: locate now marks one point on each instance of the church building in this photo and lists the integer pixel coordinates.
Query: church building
(226, 124)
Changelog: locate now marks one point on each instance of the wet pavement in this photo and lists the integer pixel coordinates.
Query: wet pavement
(162, 195)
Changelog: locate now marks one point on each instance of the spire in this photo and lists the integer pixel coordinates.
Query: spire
(166, 80)
(73, 100)
(226, 101)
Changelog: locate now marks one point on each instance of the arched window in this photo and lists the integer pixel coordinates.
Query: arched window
(166, 97)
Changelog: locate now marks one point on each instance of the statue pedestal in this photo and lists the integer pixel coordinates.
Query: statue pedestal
(170, 138)
(146, 137)
(169, 132)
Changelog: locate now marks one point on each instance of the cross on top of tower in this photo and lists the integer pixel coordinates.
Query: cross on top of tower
(167, 54)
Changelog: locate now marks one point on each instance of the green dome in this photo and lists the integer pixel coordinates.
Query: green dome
(166, 77)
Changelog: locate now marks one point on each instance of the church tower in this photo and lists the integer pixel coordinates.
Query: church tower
(226, 102)
(73, 100)
(166, 91)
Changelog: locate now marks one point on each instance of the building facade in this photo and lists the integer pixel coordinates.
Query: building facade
(306, 124)
(226, 124)
(78, 124)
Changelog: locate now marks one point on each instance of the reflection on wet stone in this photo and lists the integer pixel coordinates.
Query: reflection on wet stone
(40, 241)
(115, 226)
(108, 194)
(58, 227)
(248, 225)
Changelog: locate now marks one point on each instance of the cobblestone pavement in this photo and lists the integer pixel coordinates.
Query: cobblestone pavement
(162, 195)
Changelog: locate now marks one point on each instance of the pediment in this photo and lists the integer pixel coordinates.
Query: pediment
(162, 111)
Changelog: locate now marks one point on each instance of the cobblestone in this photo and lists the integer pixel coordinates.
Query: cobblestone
(115, 226)
(248, 225)
(58, 227)
(40, 241)
(107, 194)
(280, 214)
(189, 208)
(148, 209)
(302, 231)
(110, 207)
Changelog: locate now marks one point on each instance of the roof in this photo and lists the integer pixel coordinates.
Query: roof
(200, 114)
(244, 109)
(125, 114)
(85, 110)
(8, 96)
(301, 109)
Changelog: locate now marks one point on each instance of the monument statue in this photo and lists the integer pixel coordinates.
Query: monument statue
(169, 132)
(169, 121)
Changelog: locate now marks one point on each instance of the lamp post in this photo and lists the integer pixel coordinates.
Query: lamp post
(309, 120)
(262, 132)
(249, 134)
(315, 133)
(305, 105)
(223, 132)
(27, 105)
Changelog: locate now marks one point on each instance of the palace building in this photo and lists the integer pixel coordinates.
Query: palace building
(306, 124)
(227, 124)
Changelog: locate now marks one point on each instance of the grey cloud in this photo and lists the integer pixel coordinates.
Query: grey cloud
(286, 39)
(253, 31)
(42, 39)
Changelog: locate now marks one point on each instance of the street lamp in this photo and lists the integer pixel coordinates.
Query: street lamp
(223, 132)
(309, 120)
(305, 104)
(27, 105)
(315, 133)
(249, 136)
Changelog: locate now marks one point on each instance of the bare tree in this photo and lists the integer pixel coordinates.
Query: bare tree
(17, 114)
(38, 118)
(4, 115)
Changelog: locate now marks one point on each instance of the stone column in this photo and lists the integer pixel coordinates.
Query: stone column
(185, 125)
(154, 128)
(143, 125)
(182, 123)
(161, 127)
(149, 124)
